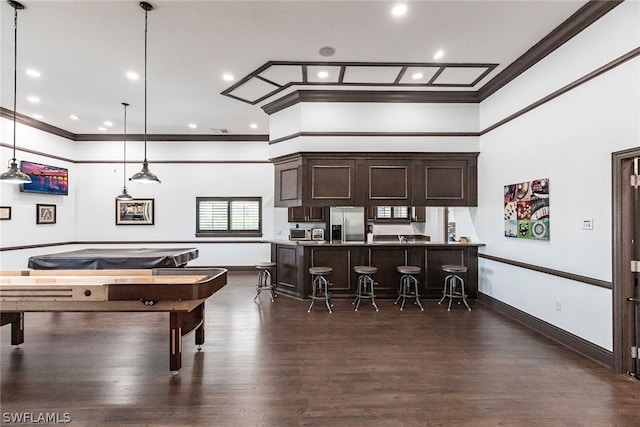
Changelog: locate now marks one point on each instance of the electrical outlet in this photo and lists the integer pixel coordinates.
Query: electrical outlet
(587, 223)
(558, 305)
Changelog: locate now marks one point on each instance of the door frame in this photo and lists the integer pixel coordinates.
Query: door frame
(622, 215)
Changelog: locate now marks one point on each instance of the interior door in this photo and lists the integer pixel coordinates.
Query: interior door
(633, 323)
(626, 260)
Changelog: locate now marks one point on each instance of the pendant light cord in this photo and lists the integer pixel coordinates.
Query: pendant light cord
(145, 85)
(15, 77)
(124, 162)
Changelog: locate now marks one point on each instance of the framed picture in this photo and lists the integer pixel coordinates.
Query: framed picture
(5, 212)
(134, 212)
(45, 214)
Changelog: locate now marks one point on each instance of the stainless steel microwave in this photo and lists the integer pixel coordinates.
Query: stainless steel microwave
(300, 234)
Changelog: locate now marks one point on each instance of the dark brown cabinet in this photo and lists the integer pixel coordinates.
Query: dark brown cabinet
(386, 182)
(376, 179)
(305, 214)
(288, 182)
(330, 182)
(449, 181)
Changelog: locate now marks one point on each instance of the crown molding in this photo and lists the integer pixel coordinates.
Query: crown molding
(99, 137)
(382, 96)
(36, 124)
(585, 16)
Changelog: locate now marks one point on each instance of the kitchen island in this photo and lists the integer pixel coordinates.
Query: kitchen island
(293, 260)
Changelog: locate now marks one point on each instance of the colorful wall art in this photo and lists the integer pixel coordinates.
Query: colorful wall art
(526, 210)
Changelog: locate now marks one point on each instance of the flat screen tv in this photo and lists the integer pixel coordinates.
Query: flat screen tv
(45, 179)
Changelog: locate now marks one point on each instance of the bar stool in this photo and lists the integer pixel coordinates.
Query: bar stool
(408, 284)
(365, 285)
(450, 284)
(265, 280)
(320, 286)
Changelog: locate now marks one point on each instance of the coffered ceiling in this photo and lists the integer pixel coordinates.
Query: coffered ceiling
(83, 51)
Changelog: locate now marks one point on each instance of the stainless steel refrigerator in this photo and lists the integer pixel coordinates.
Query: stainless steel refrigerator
(347, 224)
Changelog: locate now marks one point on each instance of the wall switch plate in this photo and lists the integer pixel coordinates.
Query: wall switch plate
(587, 223)
(558, 305)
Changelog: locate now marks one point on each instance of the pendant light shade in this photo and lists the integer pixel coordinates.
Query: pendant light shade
(145, 176)
(124, 195)
(14, 175)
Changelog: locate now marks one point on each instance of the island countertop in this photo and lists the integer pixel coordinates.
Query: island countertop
(319, 243)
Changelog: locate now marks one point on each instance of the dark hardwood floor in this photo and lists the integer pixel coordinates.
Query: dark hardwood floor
(274, 364)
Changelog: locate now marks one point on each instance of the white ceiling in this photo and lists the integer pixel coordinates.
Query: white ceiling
(84, 48)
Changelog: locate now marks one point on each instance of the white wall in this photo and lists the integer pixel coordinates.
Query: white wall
(374, 117)
(88, 212)
(568, 140)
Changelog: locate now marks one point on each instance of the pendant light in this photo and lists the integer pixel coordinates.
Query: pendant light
(14, 175)
(124, 195)
(145, 176)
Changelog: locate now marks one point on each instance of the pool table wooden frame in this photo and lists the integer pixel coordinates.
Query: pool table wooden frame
(180, 292)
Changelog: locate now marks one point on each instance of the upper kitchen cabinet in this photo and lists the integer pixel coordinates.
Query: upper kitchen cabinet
(305, 214)
(446, 179)
(386, 182)
(330, 182)
(288, 182)
(376, 179)
(315, 179)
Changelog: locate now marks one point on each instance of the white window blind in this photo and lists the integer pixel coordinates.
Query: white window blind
(392, 212)
(228, 215)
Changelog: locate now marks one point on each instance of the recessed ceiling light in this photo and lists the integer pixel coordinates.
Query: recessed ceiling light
(108, 123)
(73, 117)
(439, 54)
(193, 125)
(228, 77)
(253, 126)
(37, 116)
(323, 74)
(417, 76)
(33, 73)
(132, 75)
(33, 99)
(399, 9)
(102, 128)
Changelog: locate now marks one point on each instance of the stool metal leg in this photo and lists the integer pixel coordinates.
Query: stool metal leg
(415, 284)
(373, 293)
(452, 289)
(325, 283)
(356, 301)
(445, 290)
(464, 296)
(314, 284)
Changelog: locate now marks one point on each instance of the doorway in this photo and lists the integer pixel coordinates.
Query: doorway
(626, 260)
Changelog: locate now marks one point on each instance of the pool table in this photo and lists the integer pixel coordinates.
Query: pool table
(114, 258)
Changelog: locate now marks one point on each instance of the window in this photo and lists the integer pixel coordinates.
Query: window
(229, 216)
(392, 213)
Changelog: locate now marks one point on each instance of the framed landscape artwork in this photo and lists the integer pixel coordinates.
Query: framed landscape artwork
(134, 212)
(526, 210)
(45, 214)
